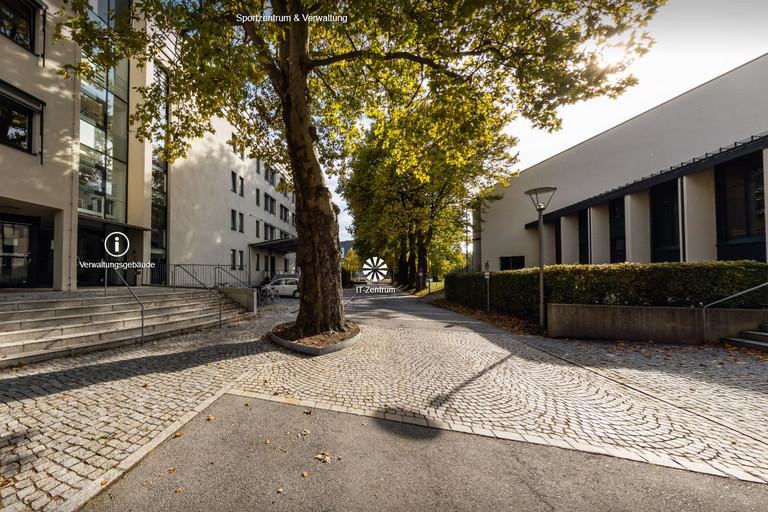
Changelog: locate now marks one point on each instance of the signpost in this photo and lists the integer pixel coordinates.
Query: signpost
(487, 287)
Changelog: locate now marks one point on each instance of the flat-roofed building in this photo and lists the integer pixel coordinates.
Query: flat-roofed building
(684, 181)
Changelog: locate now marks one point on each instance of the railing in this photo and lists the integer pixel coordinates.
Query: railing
(206, 275)
(720, 301)
(190, 274)
(221, 269)
(122, 279)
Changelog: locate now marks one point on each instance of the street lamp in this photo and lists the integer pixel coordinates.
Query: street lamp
(541, 197)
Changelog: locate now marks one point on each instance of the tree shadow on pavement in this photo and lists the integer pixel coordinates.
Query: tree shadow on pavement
(407, 430)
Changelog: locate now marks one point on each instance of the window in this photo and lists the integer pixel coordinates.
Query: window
(269, 203)
(242, 187)
(665, 223)
(511, 262)
(258, 166)
(233, 259)
(269, 175)
(284, 213)
(241, 222)
(269, 232)
(285, 269)
(233, 220)
(17, 22)
(293, 219)
(617, 230)
(258, 261)
(740, 200)
(234, 182)
(584, 236)
(258, 197)
(104, 142)
(241, 255)
(15, 124)
(258, 226)
(283, 234)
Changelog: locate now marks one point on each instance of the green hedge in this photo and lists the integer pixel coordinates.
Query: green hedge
(630, 284)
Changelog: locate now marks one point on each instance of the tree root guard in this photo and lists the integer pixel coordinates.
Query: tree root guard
(286, 335)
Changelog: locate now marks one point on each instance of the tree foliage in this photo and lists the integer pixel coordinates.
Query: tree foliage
(296, 89)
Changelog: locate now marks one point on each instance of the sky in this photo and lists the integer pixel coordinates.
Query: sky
(696, 41)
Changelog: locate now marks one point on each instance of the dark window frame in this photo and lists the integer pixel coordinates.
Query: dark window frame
(233, 220)
(240, 222)
(511, 262)
(617, 230)
(31, 18)
(583, 239)
(665, 198)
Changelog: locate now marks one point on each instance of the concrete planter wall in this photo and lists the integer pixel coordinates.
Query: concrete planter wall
(246, 297)
(640, 323)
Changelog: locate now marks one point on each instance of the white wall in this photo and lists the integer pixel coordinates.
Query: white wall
(717, 113)
(201, 198)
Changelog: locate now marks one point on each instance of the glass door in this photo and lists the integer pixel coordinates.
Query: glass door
(15, 255)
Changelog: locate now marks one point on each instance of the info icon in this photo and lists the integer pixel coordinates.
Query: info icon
(116, 244)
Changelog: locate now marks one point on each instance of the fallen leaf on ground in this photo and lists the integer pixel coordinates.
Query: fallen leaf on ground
(247, 404)
(305, 474)
(307, 411)
(211, 418)
(178, 434)
(267, 441)
(305, 432)
(172, 469)
(104, 482)
(178, 490)
(279, 490)
(324, 457)
(144, 385)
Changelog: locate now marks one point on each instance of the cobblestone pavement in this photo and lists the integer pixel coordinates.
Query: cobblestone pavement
(426, 366)
(68, 424)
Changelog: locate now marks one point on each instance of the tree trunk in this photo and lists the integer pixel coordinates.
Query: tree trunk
(411, 260)
(421, 252)
(402, 261)
(321, 308)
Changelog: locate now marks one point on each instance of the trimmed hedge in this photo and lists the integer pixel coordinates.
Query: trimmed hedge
(630, 284)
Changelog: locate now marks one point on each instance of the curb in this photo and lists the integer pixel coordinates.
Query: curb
(314, 351)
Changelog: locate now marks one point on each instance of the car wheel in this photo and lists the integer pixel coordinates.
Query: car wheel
(296, 294)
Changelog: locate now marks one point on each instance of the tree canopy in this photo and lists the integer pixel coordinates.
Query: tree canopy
(297, 83)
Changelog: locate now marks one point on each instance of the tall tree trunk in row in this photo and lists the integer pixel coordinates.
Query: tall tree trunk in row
(321, 308)
(421, 251)
(402, 261)
(411, 260)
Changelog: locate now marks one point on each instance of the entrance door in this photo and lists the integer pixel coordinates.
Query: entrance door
(15, 255)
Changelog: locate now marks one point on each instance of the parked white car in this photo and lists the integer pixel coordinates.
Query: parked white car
(286, 286)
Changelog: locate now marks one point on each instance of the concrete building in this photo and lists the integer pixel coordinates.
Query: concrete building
(71, 172)
(683, 181)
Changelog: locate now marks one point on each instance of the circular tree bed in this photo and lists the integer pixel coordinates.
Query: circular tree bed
(286, 335)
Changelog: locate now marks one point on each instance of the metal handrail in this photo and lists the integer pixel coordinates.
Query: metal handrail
(141, 304)
(738, 294)
(231, 275)
(217, 294)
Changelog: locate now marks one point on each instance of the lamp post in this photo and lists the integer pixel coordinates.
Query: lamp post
(541, 197)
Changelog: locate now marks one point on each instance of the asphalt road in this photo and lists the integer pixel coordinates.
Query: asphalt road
(225, 465)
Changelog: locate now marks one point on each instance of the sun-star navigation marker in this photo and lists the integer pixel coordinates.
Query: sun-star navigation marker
(374, 269)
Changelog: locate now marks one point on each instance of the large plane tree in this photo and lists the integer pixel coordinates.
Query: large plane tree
(296, 78)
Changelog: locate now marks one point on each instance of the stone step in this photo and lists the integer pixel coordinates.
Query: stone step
(31, 318)
(741, 342)
(158, 325)
(89, 299)
(754, 335)
(106, 323)
(200, 323)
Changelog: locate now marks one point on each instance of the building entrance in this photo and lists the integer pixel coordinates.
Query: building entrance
(15, 255)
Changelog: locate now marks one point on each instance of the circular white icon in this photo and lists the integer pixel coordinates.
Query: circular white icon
(116, 244)
(374, 269)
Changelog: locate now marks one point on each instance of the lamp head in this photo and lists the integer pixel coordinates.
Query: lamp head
(541, 196)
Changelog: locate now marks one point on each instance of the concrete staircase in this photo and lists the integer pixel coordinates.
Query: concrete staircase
(45, 325)
(756, 340)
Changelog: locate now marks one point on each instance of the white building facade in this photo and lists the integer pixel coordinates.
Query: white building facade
(71, 172)
(683, 181)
